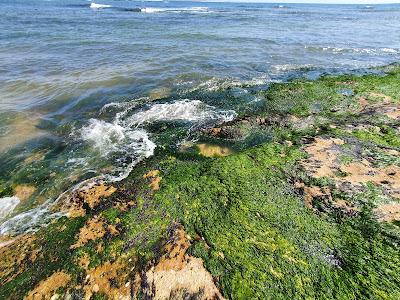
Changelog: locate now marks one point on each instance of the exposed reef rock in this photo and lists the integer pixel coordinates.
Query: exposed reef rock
(178, 275)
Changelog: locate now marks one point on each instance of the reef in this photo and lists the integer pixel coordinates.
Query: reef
(299, 199)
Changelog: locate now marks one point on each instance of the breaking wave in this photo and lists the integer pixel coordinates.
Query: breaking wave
(151, 10)
(111, 137)
(99, 6)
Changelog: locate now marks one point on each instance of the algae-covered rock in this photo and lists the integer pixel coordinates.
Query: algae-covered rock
(302, 204)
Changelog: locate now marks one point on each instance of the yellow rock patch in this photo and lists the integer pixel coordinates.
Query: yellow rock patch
(324, 162)
(389, 212)
(111, 279)
(324, 153)
(23, 192)
(155, 179)
(209, 150)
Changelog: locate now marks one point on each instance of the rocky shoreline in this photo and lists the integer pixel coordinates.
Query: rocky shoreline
(299, 200)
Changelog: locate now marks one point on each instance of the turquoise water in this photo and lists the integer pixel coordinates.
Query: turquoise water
(87, 92)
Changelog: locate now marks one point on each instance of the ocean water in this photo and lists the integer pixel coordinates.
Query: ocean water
(89, 89)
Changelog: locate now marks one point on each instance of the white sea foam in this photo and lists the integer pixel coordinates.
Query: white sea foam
(390, 50)
(129, 146)
(99, 6)
(35, 218)
(291, 67)
(183, 110)
(112, 137)
(7, 205)
(104, 136)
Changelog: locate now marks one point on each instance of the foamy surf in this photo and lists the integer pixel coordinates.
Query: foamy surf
(35, 218)
(124, 147)
(112, 137)
(342, 50)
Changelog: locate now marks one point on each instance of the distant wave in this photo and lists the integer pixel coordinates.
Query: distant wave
(99, 6)
(353, 50)
(281, 6)
(292, 67)
(151, 10)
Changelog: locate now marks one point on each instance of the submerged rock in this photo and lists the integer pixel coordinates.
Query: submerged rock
(209, 150)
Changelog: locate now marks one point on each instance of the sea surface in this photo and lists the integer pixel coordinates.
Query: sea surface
(89, 89)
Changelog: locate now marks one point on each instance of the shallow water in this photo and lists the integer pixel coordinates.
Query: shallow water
(85, 88)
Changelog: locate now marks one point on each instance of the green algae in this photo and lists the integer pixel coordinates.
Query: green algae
(384, 135)
(273, 247)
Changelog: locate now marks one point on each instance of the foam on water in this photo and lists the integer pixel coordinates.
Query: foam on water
(35, 218)
(29, 221)
(122, 147)
(104, 136)
(214, 84)
(7, 205)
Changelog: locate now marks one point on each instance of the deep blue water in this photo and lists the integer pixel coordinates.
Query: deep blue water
(81, 87)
